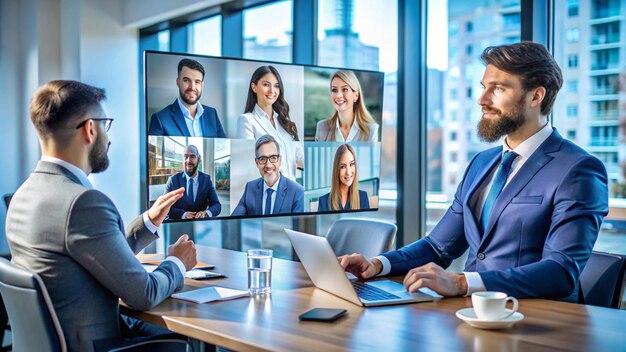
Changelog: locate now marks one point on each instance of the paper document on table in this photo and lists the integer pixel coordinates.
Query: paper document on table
(210, 294)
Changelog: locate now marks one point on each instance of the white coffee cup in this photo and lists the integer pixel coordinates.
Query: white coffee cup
(490, 305)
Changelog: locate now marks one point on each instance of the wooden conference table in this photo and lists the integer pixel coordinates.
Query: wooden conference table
(271, 323)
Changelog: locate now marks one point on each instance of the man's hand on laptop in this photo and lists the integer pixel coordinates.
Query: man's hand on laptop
(434, 277)
(185, 250)
(162, 205)
(359, 266)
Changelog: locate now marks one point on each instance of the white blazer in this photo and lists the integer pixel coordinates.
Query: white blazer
(253, 125)
(322, 133)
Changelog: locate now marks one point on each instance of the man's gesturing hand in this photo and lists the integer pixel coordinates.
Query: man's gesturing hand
(360, 267)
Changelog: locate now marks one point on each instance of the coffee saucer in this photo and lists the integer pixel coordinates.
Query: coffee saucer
(469, 316)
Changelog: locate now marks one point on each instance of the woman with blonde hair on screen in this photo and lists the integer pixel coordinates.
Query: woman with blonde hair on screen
(344, 190)
(351, 121)
(267, 112)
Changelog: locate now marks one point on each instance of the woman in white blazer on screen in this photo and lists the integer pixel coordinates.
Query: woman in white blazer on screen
(351, 121)
(267, 112)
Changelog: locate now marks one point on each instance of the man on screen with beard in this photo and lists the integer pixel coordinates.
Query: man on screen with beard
(200, 200)
(186, 116)
(272, 193)
(528, 211)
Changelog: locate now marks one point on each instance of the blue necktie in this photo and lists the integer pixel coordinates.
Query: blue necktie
(498, 184)
(190, 189)
(268, 201)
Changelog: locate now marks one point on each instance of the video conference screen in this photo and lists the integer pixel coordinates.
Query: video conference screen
(252, 138)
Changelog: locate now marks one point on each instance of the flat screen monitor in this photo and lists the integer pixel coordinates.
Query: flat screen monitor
(252, 138)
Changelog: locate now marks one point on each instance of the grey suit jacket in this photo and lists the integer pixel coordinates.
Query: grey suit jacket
(73, 237)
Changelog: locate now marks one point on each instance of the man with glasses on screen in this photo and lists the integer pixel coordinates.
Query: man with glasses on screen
(529, 211)
(72, 235)
(186, 116)
(200, 200)
(272, 193)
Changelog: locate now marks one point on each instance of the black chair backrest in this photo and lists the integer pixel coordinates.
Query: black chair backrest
(368, 237)
(34, 324)
(602, 280)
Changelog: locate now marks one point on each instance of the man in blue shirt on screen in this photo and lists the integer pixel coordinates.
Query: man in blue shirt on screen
(272, 193)
(528, 211)
(200, 200)
(186, 116)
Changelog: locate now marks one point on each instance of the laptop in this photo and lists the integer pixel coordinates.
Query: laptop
(320, 262)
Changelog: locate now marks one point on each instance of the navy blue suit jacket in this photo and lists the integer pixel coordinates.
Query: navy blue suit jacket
(289, 198)
(323, 203)
(206, 198)
(171, 122)
(541, 230)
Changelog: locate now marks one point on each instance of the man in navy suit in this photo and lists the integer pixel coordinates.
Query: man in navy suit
(272, 193)
(186, 116)
(200, 200)
(529, 211)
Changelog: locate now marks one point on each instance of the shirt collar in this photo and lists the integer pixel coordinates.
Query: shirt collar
(75, 170)
(194, 179)
(259, 112)
(274, 187)
(186, 113)
(528, 147)
(353, 131)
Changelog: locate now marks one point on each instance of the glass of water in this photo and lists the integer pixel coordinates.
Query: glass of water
(259, 271)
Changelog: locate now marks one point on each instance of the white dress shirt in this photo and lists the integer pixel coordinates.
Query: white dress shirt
(195, 184)
(273, 200)
(355, 134)
(524, 150)
(82, 177)
(253, 125)
(194, 125)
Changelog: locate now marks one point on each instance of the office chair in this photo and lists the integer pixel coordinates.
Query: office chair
(367, 237)
(36, 326)
(7, 199)
(602, 280)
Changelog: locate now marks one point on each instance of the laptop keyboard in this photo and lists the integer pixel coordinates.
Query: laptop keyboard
(371, 293)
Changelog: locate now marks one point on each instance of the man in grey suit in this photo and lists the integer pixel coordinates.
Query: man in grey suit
(271, 193)
(72, 235)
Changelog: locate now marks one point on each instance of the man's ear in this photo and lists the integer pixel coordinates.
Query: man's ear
(177, 82)
(88, 131)
(538, 94)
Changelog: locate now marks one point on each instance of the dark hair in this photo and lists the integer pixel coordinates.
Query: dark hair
(534, 65)
(192, 64)
(280, 106)
(56, 104)
(266, 138)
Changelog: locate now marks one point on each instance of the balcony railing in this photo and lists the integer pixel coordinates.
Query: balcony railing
(604, 65)
(605, 12)
(605, 38)
(604, 90)
(603, 142)
(606, 115)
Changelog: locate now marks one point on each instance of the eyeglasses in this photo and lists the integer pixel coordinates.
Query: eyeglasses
(107, 123)
(263, 159)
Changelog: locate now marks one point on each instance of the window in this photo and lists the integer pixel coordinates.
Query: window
(572, 35)
(457, 96)
(572, 86)
(205, 36)
(571, 135)
(572, 111)
(163, 37)
(268, 32)
(572, 8)
(572, 61)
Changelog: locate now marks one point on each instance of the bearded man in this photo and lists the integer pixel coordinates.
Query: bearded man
(272, 193)
(528, 211)
(186, 116)
(200, 200)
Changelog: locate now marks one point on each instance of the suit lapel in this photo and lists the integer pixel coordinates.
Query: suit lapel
(258, 201)
(489, 164)
(523, 177)
(263, 123)
(280, 195)
(179, 119)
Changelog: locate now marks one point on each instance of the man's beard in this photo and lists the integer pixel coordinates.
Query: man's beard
(189, 101)
(490, 130)
(193, 170)
(98, 158)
